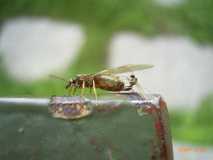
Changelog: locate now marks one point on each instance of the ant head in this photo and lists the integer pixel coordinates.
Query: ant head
(133, 79)
(132, 76)
(70, 83)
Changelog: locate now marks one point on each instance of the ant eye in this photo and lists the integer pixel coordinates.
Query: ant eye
(67, 85)
(132, 76)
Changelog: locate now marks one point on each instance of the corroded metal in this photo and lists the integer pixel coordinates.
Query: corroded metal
(122, 135)
(79, 107)
(69, 107)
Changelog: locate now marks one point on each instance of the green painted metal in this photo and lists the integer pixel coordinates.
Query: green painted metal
(32, 133)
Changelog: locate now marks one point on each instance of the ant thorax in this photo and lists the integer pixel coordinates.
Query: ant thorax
(83, 79)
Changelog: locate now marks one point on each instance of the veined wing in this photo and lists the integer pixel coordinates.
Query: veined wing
(126, 68)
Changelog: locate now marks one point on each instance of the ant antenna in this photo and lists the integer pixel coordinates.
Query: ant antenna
(57, 77)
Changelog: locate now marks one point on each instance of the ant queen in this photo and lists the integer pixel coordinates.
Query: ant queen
(106, 79)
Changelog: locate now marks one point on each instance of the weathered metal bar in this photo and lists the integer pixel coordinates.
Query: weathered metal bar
(74, 107)
(77, 107)
(10, 101)
(73, 100)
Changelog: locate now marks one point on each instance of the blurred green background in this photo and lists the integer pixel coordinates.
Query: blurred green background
(100, 20)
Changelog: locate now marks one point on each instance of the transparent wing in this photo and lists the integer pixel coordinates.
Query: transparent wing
(126, 68)
(139, 89)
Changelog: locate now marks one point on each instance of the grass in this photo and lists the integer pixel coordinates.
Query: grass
(194, 126)
(100, 20)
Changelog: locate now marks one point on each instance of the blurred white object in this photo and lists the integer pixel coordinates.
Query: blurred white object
(169, 3)
(183, 71)
(33, 47)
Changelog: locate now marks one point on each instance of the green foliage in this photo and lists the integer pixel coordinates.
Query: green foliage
(196, 18)
(144, 16)
(194, 126)
(204, 112)
(93, 55)
(92, 12)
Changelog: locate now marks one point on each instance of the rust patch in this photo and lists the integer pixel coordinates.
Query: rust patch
(69, 111)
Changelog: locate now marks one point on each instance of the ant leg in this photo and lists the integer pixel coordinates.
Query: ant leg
(74, 91)
(94, 89)
(82, 90)
(70, 91)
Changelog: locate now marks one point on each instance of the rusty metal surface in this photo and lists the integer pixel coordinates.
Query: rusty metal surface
(112, 131)
(162, 128)
(79, 107)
